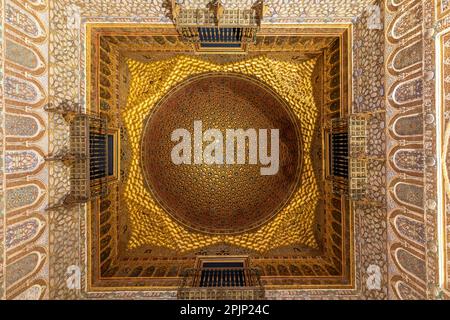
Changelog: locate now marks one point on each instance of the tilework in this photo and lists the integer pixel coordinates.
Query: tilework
(23, 146)
(410, 229)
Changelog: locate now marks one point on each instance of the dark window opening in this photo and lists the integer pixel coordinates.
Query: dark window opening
(219, 45)
(220, 37)
(339, 155)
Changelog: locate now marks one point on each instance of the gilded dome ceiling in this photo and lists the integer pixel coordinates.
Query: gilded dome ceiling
(221, 198)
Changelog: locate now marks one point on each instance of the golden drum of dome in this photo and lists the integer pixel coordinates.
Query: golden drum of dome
(150, 224)
(221, 198)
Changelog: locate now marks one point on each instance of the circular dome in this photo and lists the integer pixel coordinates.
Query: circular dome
(220, 198)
